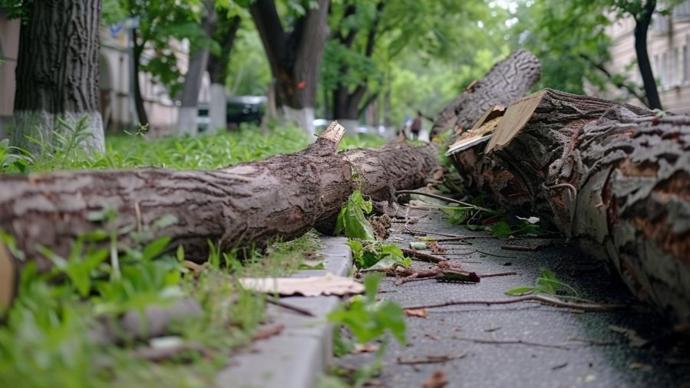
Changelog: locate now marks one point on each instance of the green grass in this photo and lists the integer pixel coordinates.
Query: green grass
(43, 339)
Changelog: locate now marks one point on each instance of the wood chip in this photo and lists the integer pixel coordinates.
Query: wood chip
(328, 284)
(419, 313)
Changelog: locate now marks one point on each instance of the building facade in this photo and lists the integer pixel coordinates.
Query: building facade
(116, 102)
(668, 42)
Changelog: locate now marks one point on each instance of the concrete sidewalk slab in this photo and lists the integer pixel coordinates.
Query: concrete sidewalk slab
(296, 357)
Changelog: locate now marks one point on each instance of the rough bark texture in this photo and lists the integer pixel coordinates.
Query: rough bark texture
(236, 206)
(507, 81)
(392, 167)
(294, 56)
(614, 178)
(58, 72)
(198, 61)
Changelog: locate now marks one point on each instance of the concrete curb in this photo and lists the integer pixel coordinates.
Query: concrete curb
(296, 357)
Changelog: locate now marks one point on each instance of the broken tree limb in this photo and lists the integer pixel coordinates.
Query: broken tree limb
(506, 82)
(250, 203)
(612, 177)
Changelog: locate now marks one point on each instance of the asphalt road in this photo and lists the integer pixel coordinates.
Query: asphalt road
(548, 346)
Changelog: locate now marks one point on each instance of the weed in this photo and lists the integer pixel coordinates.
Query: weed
(352, 220)
(368, 319)
(546, 283)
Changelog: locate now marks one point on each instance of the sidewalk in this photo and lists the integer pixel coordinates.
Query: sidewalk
(297, 356)
(526, 344)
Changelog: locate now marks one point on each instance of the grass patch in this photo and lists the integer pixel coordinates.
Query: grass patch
(44, 337)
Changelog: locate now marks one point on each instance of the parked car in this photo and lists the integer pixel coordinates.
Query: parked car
(245, 109)
(239, 109)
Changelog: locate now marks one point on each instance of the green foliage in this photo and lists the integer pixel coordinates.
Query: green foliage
(368, 319)
(351, 219)
(421, 52)
(523, 228)
(200, 152)
(367, 254)
(546, 283)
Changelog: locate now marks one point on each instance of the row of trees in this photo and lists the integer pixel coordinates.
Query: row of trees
(342, 55)
(360, 40)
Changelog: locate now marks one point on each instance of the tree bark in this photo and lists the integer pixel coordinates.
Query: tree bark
(58, 74)
(198, 61)
(224, 33)
(246, 204)
(613, 178)
(642, 22)
(507, 81)
(294, 57)
(138, 50)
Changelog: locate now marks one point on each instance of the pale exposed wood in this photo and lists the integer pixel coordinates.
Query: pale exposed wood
(513, 120)
(507, 81)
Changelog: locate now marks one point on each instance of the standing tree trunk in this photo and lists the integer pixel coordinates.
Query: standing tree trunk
(294, 57)
(642, 22)
(189, 107)
(507, 81)
(58, 74)
(138, 50)
(224, 34)
(347, 101)
(614, 178)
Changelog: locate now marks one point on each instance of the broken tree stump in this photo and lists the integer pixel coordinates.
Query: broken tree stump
(612, 177)
(506, 82)
(246, 204)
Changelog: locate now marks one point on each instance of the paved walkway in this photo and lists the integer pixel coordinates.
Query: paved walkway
(553, 347)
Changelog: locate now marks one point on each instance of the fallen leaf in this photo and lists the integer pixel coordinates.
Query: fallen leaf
(328, 284)
(419, 313)
(437, 379)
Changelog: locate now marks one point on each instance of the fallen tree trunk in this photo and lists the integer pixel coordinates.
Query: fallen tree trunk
(612, 177)
(506, 82)
(250, 203)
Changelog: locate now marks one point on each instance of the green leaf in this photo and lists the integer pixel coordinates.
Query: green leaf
(351, 218)
(155, 248)
(501, 229)
(519, 291)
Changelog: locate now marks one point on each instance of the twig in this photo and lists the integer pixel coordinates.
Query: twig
(494, 254)
(290, 307)
(423, 256)
(442, 198)
(529, 298)
(268, 332)
(430, 359)
(490, 275)
(510, 342)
